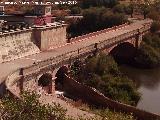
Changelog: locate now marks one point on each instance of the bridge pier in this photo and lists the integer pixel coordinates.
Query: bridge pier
(21, 81)
(138, 39)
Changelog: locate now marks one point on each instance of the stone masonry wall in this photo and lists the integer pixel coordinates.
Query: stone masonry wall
(91, 95)
(49, 37)
(16, 44)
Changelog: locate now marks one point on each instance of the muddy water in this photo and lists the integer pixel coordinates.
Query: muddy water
(148, 83)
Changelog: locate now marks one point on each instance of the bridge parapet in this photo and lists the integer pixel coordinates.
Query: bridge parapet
(93, 34)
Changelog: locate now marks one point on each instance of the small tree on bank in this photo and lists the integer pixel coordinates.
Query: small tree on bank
(29, 108)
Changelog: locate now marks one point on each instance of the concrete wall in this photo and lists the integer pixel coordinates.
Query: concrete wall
(48, 37)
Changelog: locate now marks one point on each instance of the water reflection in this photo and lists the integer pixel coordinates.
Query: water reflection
(149, 79)
(148, 82)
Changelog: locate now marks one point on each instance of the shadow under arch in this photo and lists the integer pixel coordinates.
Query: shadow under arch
(124, 53)
(60, 76)
(45, 81)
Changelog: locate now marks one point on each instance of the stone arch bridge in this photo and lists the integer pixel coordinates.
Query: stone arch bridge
(79, 47)
(43, 65)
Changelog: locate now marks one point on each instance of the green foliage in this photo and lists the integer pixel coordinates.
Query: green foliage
(119, 8)
(155, 26)
(29, 108)
(98, 3)
(102, 73)
(130, 9)
(149, 51)
(95, 19)
(75, 10)
(145, 8)
(148, 56)
(120, 88)
(110, 115)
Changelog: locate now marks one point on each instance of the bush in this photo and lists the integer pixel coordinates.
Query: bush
(148, 54)
(102, 73)
(75, 10)
(95, 19)
(29, 108)
(155, 27)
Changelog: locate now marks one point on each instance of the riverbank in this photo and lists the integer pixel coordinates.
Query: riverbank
(148, 84)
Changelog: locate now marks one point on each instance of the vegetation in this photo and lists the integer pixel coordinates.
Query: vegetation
(29, 108)
(149, 51)
(98, 3)
(110, 115)
(102, 73)
(95, 19)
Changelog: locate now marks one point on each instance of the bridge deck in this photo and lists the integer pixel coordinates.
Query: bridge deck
(9, 67)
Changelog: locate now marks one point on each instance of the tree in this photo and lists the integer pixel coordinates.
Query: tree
(145, 8)
(98, 3)
(102, 73)
(75, 10)
(29, 108)
(95, 19)
(155, 27)
(119, 8)
(130, 9)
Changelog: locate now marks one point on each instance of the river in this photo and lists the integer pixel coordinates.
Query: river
(148, 83)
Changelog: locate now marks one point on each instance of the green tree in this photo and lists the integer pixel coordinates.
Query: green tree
(155, 27)
(98, 3)
(102, 73)
(95, 19)
(119, 8)
(130, 9)
(75, 10)
(29, 108)
(145, 8)
(148, 56)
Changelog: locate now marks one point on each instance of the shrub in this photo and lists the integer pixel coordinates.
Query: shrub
(155, 26)
(29, 108)
(102, 73)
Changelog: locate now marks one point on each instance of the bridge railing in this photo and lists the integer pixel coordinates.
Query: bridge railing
(93, 34)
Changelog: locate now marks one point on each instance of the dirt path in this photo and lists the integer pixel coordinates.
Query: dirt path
(71, 110)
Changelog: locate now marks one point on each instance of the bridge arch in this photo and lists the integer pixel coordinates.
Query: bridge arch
(45, 81)
(123, 53)
(60, 76)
